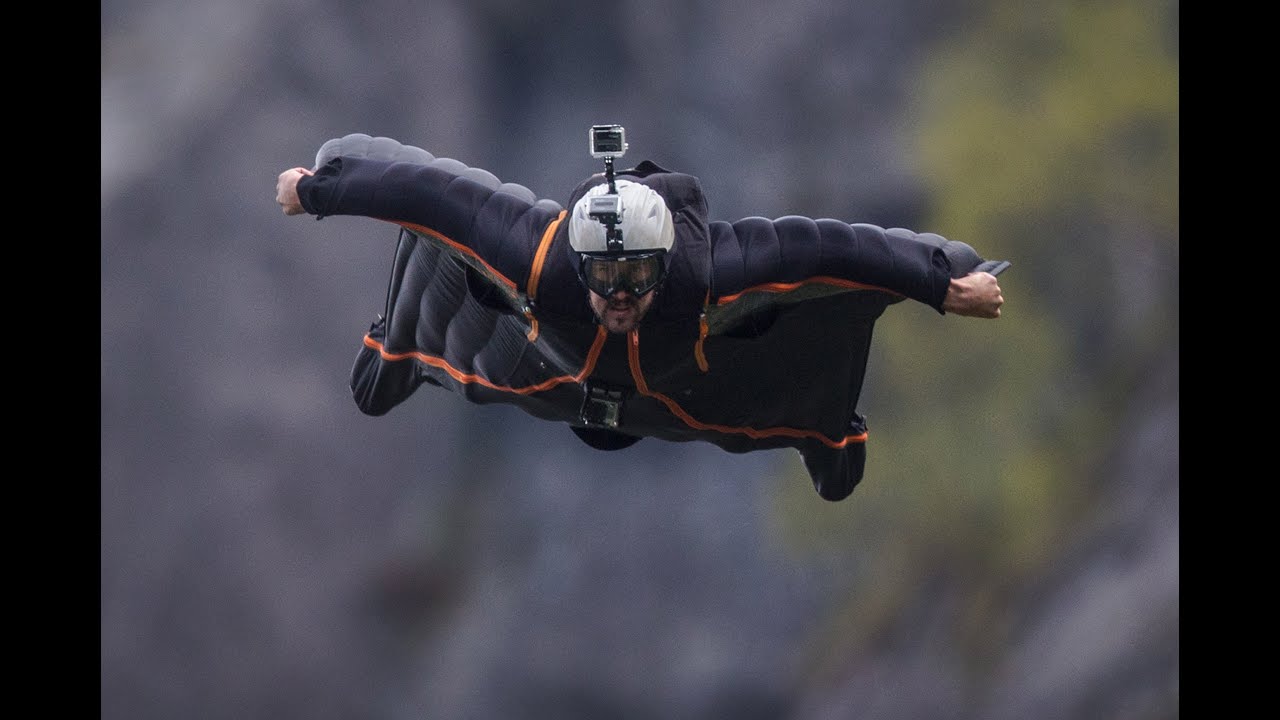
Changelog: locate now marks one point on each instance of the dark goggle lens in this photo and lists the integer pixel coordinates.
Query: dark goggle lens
(636, 274)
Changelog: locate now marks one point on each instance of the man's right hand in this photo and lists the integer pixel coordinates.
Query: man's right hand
(287, 190)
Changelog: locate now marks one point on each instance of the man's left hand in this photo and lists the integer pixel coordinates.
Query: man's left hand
(974, 295)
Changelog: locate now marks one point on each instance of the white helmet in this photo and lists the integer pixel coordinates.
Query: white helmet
(644, 220)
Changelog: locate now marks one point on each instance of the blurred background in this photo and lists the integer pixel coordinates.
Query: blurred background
(269, 552)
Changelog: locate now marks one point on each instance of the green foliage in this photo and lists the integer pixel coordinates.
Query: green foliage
(1054, 106)
(1048, 135)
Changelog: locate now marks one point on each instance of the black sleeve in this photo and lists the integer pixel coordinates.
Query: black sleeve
(759, 253)
(499, 229)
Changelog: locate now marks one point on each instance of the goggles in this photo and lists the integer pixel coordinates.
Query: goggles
(636, 274)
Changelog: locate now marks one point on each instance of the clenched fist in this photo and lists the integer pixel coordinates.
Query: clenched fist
(974, 295)
(287, 190)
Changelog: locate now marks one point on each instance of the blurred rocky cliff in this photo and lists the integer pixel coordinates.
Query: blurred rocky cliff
(269, 552)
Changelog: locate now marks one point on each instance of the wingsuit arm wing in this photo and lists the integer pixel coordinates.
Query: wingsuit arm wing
(797, 282)
(963, 258)
(443, 199)
(446, 211)
(793, 252)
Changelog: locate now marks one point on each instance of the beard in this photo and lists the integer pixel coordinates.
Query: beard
(620, 315)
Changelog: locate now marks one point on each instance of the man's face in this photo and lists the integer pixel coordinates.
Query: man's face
(620, 312)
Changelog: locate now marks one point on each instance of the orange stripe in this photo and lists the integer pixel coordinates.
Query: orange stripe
(455, 245)
(541, 256)
(468, 379)
(534, 276)
(787, 287)
(698, 354)
(633, 359)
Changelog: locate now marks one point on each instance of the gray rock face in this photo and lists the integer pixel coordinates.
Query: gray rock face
(268, 552)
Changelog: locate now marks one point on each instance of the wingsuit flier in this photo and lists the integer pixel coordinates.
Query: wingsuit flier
(628, 313)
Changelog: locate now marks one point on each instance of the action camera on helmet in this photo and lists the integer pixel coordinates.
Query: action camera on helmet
(608, 141)
(621, 229)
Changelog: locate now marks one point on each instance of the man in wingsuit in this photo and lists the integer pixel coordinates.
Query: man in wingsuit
(630, 314)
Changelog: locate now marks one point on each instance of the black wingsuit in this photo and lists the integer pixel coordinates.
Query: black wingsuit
(757, 339)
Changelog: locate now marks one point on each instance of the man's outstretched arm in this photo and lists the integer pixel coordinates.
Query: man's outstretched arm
(943, 274)
(496, 227)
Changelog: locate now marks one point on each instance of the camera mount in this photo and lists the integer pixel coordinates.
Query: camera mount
(608, 142)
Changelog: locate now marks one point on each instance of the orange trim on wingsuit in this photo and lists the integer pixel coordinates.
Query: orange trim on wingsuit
(698, 354)
(540, 257)
(633, 359)
(468, 379)
(535, 274)
(456, 246)
(787, 287)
